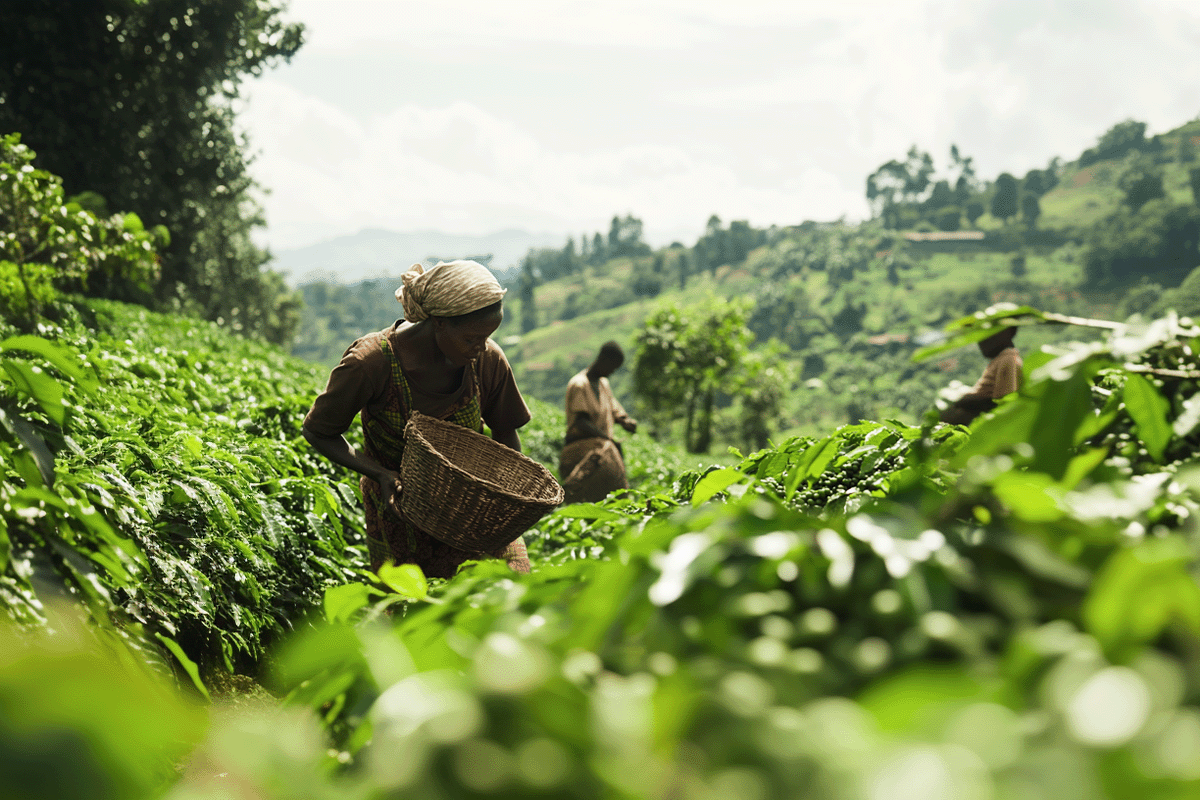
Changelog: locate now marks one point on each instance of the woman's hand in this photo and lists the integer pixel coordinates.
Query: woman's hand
(389, 490)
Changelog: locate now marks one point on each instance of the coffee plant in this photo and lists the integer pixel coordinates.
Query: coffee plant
(1007, 610)
(154, 472)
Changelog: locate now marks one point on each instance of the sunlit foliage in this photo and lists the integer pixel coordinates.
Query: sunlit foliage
(133, 101)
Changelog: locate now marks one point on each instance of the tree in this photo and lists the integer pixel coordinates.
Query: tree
(949, 218)
(644, 280)
(1121, 138)
(885, 190)
(1194, 180)
(712, 248)
(963, 190)
(783, 312)
(599, 250)
(571, 306)
(569, 260)
(973, 211)
(965, 186)
(741, 239)
(848, 321)
(685, 266)
(133, 100)
(941, 196)
(625, 237)
(1186, 152)
(1004, 197)
(1142, 181)
(1017, 264)
(528, 283)
(761, 391)
(1185, 299)
(896, 190)
(1116, 142)
(1035, 183)
(918, 167)
(1031, 209)
(1051, 173)
(684, 357)
(1159, 242)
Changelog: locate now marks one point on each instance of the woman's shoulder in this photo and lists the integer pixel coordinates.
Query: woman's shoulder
(492, 365)
(367, 350)
(1009, 354)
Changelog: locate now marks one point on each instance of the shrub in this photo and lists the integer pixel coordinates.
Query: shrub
(949, 218)
(50, 244)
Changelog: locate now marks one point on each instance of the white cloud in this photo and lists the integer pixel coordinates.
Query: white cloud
(459, 168)
(555, 114)
(459, 28)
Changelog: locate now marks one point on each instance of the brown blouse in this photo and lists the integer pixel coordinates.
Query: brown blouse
(361, 378)
(1001, 376)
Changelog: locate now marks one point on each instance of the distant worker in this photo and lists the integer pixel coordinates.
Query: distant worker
(1001, 377)
(592, 464)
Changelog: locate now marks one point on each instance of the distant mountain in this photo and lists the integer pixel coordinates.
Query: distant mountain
(375, 253)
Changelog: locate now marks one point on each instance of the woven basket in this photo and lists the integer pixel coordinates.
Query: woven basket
(468, 490)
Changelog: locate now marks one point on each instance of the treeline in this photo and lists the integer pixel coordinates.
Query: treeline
(337, 314)
(913, 193)
(131, 105)
(652, 271)
(1148, 237)
(1151, 238)
(904, 193)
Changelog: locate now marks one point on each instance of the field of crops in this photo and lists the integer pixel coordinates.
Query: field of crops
(888, 611)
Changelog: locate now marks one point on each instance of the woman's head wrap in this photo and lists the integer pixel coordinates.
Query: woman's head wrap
(447, 289)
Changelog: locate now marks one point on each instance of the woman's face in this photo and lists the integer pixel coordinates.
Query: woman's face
(464, 342)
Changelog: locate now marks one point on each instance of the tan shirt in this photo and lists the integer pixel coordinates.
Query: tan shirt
(362, 377)
(1001, 376)
(604, 409)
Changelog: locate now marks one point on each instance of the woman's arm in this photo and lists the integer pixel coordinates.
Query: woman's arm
(508, 438)
(583, 424)
(339, 451)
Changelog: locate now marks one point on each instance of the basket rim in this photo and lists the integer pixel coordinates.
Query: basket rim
(424, 419)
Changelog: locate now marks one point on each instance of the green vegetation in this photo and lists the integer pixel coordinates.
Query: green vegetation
(872, 604)
(849, 304)
(835, 617)
(133, 103)
(154, 474)
(51, 244)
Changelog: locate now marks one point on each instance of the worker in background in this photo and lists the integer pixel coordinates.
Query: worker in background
(1000, 377)
(592, 463)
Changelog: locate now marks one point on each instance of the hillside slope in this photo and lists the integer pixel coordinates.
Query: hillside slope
(849, 302)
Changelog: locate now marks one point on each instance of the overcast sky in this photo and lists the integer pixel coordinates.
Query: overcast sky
(552, 115)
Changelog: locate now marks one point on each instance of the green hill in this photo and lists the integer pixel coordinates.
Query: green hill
(849, 302)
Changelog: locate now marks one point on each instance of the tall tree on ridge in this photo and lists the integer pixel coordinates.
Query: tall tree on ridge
(1005, 197)
(1031, 209)
(528, 283)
